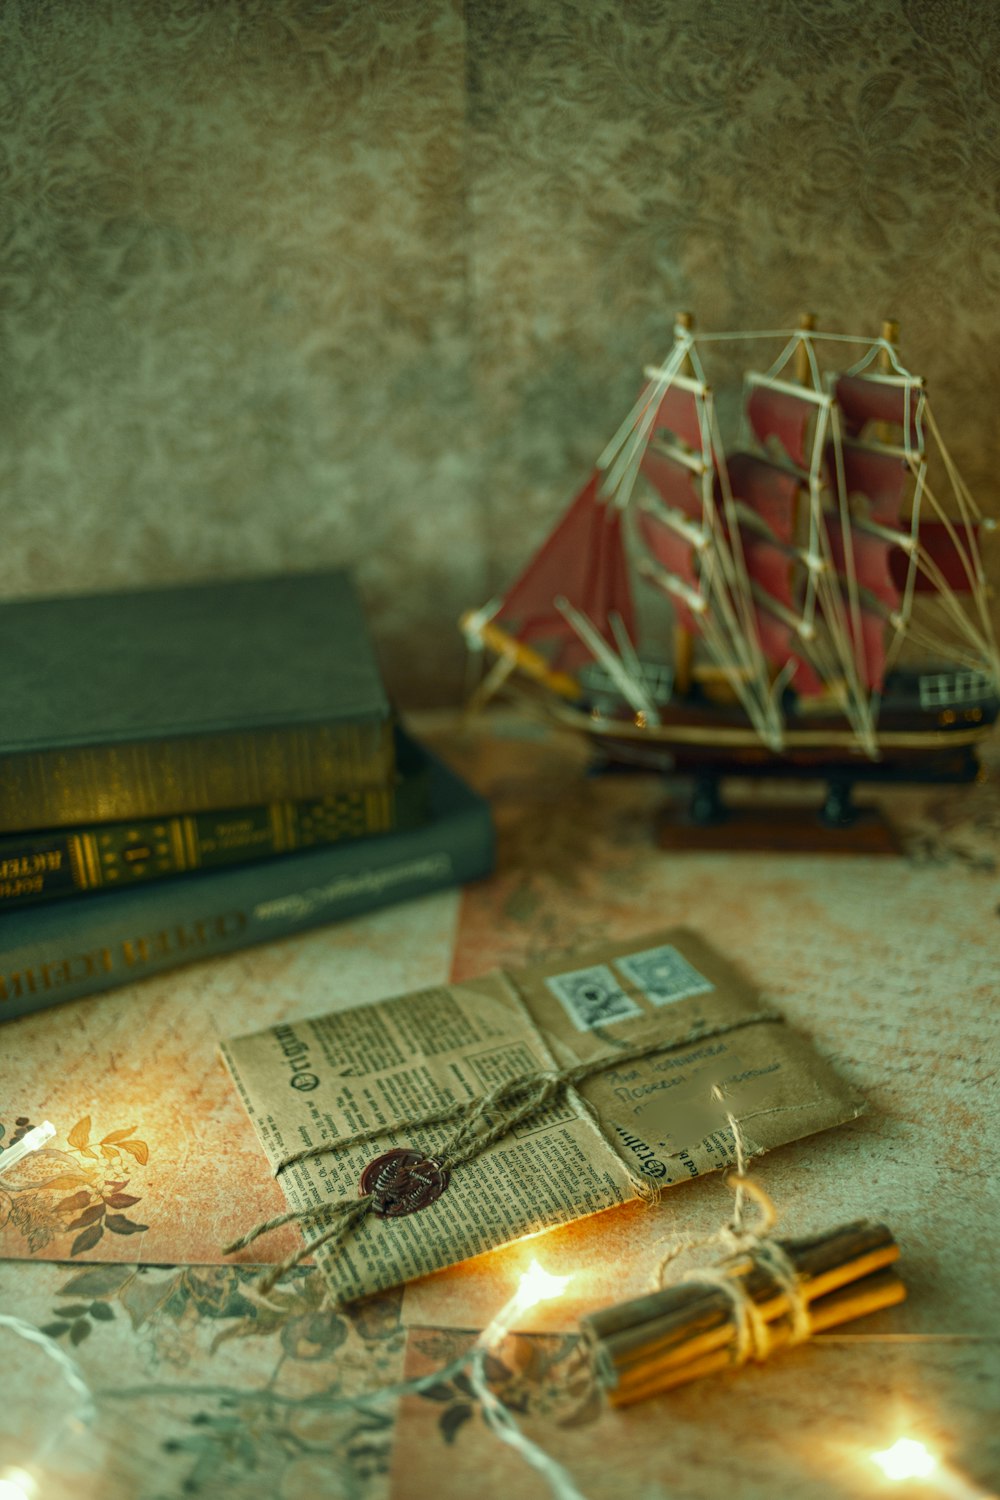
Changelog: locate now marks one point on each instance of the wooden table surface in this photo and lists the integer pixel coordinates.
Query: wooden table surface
(178, 1379)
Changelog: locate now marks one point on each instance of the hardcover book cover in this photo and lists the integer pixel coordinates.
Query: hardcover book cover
(62, 950)
(54, 863)
(187, 699)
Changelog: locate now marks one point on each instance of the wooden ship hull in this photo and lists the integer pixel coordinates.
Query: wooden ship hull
(689, 739)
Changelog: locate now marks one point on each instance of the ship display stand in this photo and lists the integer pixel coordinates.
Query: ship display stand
(824, 609)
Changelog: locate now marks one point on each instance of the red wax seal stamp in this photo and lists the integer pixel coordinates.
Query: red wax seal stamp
(402, 1182)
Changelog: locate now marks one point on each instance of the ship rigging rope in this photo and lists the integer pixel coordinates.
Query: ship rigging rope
(860, 651)
(736, 648)
(754, 693)
(924, 562)
(734, 644)
(787, 353)
(810, 336)
(767, 718)
(632, 687)
(848, 638)
(714, 449)
(745, 652)
(947, 600)
(637, 427)
(720, 650)
(971, 564)
(956, 652)
(831, 627)
(646, 399)
(962, 491)
(902, 623)
(823, 586)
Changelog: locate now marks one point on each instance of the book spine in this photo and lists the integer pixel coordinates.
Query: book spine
(44, 866)
(82, 784)
(66, 950)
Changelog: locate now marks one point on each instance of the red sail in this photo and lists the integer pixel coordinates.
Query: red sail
(862, 400)
(673, 482)
(937, 543)
(678, 412)
(784, 416)
(769, 491)
(780, 645)
(612, 592)
(883, 478)
(872, 558)
(768, 567)
(676, 555)
(583, 560)
(771, 570)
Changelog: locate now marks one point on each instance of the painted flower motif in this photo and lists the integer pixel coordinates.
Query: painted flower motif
(51, 1192)
(533, 1375)
(297, 1312)
(295, 1406)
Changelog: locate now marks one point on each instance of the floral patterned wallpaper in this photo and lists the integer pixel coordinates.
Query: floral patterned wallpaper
(287, 282)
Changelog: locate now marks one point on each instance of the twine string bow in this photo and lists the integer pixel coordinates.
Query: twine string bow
(753, 1338)
(482, 1122)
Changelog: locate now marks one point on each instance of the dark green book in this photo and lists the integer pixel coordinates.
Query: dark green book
(67, 949)
(187, 699)
(47, 864)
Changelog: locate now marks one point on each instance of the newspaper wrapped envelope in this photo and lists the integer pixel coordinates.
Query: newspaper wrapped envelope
(712, 1050)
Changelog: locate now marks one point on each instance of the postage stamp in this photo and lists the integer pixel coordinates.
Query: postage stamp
(663, 975)
(592, 997)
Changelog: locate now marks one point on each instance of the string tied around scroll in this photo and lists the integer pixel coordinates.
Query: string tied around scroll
(482, 1122)
(753, 1334)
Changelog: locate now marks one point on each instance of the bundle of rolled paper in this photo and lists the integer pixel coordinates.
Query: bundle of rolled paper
(696, 1328)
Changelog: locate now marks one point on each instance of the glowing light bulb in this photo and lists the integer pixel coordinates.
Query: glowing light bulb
(32, 1140)
(539, 1285)
(16, 1484)
(536, 1285)
(906, 1459)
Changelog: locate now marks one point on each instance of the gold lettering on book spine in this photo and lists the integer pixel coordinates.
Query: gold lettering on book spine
(117, 782)
(76, 865)
(278, 819)
(92, 860)
(39, 978)
(177, 845)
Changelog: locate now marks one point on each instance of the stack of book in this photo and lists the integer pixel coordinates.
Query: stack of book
(185, 771)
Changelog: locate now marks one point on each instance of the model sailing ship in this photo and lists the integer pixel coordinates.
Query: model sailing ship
(828, 605)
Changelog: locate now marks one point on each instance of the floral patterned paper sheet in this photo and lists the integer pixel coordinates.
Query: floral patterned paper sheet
(803, 1427)
(199, 1385)
(204, 1388)
(154, 1158)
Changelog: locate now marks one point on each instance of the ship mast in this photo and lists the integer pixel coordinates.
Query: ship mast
(687, 532)
(683, 643)
(796, 422)
(890, 338)
(805, 360)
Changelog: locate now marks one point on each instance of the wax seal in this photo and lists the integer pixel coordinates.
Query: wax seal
(402, 1182)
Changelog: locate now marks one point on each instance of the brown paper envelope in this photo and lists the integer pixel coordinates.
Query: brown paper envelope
(396, 1061)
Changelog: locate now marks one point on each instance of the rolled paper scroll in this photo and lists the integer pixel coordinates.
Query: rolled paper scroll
(693, 1328)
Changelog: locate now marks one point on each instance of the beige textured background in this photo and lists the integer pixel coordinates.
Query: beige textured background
(287, 282)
